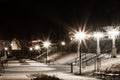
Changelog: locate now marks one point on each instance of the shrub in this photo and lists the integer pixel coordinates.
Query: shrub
(22, 61)
(45, 77)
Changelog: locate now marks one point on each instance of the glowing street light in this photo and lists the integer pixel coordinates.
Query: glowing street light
(46, 45)
(79, 36)
(113, 35)
(63, 43)
(5, 48)
(37, 47)
(98, 35)
(63, 46)
(31, 49)
(6, 52)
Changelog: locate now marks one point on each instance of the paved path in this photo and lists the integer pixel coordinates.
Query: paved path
(18, 71)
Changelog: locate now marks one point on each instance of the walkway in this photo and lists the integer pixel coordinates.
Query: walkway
(19, 71)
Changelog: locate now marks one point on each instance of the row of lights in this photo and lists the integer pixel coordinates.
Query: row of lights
(5, 48)
(81, 36)
(46, 44)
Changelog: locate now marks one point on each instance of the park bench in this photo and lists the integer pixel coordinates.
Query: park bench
(99, 74)
(112, 76)
(107, 75)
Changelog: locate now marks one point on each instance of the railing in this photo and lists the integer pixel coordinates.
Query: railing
(96, 59)
(77, 59)
(84, 57)
(88, 60)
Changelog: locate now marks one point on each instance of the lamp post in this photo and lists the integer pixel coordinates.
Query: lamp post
(98, 35)
(46, 45)
(6, 51)
(37, 48)
(79, 36)
(63, 44)
(113, 34)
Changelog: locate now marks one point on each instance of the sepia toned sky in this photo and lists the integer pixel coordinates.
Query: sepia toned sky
(26, 18)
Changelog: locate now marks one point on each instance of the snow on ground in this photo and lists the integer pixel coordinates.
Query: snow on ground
(65, 76)
(66, 58)
(12, 73)
(108, 62)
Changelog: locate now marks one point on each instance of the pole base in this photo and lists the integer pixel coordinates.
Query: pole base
(114, 52)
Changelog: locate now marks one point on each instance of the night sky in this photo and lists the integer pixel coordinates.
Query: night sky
(26, 19)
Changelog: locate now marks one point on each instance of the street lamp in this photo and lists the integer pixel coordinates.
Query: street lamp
(63, 46)
(5, 53)
(31, 49)
(79, 36)
(98, 35)
(5, 48)
(113, 35)
(63, 43)
(37, 47)
(46, 45)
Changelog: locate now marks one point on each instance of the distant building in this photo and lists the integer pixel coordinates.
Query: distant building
(15, 45)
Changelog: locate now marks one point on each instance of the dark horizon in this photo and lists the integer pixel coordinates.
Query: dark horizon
(29, 19)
